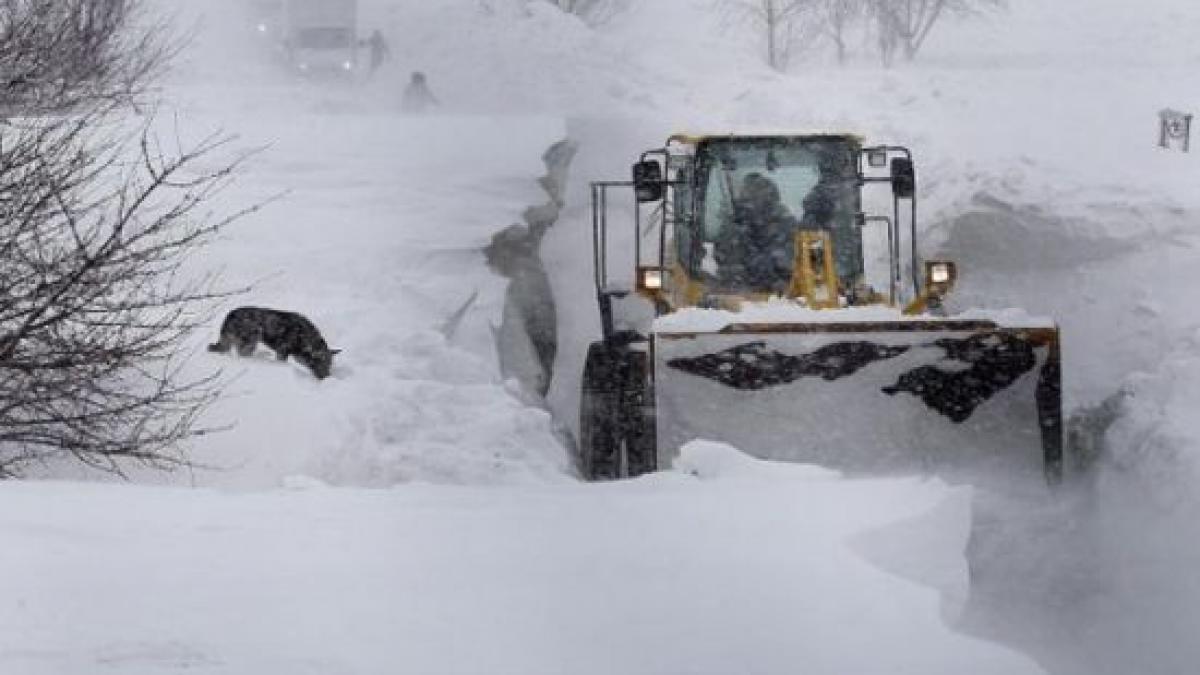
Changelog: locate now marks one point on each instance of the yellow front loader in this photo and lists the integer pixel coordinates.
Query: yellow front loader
(750, 293)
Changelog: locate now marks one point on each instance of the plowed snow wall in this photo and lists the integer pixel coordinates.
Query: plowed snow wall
(527, 339)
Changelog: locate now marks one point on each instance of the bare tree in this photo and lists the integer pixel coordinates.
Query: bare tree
(96, 225)
(837, 16)
(56, 55)
(906, 24)
(783, 24)
(887, 33)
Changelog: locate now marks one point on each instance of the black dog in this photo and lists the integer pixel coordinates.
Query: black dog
(287, 333)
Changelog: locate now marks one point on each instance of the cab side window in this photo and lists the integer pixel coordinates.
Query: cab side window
(688, 247)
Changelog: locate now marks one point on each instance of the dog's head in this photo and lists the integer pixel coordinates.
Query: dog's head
(319, 360)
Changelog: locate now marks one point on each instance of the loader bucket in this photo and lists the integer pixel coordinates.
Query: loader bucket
(942, 396)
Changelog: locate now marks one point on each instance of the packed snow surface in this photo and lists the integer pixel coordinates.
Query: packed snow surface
(734, 566)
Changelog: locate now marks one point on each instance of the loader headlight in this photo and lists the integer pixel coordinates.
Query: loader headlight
(650, 278)
(940, 276)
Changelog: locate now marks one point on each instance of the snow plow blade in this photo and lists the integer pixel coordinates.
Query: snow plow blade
(932, 395)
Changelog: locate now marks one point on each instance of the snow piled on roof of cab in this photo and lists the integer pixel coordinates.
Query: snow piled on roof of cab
(781, 310)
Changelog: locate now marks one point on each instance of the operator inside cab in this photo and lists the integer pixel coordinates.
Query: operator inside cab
(755, 194)
(753, 248)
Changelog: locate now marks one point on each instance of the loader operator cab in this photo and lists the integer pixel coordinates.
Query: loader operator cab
(744, 218)
(753, 195)
(722, 220)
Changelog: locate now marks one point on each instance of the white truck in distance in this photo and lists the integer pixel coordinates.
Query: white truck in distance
(321, 36)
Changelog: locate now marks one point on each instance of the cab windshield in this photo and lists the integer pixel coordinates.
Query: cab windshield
(755, 194)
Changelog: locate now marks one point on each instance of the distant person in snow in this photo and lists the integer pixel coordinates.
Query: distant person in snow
(379, 51)
(417, 96)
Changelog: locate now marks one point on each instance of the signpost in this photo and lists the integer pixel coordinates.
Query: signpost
(1174, 126)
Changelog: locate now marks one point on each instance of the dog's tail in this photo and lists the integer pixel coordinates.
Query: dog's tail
(218, 347)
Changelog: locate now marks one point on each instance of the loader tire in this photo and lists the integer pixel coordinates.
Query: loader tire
(637, 400)
(616, 422)
(598, 416)
(1049, 407)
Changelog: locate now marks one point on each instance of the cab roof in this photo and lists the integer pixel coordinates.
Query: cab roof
(698, 139)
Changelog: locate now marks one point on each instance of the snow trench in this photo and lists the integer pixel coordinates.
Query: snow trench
(527, 338)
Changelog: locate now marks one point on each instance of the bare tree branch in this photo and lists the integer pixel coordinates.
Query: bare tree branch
(836, 18)
(56, 55)
(96, 225)
(783, 24)
(906, 24)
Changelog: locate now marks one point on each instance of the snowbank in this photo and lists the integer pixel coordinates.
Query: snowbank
(1148, 506)
(708, 460)
(1153, 445)
(668, 574)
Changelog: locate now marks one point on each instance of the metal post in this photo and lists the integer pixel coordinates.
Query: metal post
(604, 235)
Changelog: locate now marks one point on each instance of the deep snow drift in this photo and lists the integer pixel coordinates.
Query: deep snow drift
(1034, 136)
(735, 566)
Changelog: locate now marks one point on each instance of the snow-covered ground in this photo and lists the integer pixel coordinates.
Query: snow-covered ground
(733, 567)
(372, 225)
(1035, 139)
(378, 238)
